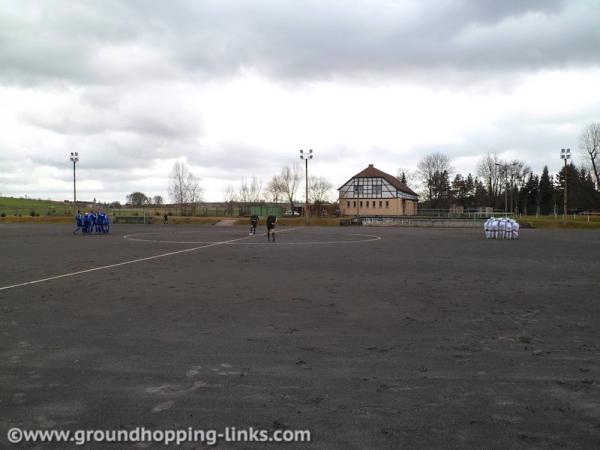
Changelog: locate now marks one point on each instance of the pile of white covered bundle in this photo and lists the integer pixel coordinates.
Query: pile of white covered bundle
(501, 228)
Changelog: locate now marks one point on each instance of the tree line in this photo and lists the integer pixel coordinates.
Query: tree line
(511, 185)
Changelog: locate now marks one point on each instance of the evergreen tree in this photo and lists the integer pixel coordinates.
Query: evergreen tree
(589, 198)
(546, 195)
(440, 190)
(573, 188)
(459, 190)
(530, 194)
(481, 196)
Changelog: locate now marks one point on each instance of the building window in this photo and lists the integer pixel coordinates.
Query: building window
(354, 203)
(360, 203)
(348, 204)
(380, 203)
(373, 203)
(387, 204)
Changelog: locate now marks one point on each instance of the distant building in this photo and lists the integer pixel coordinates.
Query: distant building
(376, 193)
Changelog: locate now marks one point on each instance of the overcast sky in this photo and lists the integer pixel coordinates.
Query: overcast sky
(236, 88)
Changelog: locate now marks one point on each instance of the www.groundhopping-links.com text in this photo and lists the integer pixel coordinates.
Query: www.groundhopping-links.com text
(166, 437)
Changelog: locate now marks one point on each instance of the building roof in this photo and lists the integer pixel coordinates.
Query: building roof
(372, 172)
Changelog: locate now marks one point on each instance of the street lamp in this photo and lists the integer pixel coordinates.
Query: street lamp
(74, 159)
(306, 156)
(565, 154)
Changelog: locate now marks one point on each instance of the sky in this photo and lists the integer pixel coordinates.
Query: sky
(236, 88)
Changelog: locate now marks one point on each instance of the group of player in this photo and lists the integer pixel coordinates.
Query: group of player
(501, 228)
(271, 220)
(92, 222)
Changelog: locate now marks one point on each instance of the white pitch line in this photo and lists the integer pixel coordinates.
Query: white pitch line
(133, 261)
(370, 238)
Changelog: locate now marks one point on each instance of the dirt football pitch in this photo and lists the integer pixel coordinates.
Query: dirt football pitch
(367, 337)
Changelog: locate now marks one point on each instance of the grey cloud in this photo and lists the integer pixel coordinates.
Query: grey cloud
(300, 41)
(155, 113)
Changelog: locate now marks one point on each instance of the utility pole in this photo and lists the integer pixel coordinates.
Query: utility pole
(306, 156)
(565, 154)
(74, 159)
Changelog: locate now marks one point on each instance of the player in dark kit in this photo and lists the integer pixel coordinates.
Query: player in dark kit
(271, 227)
(253, 224)
(78, 222)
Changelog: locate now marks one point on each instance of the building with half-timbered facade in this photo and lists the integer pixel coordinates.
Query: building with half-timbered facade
(372, 192)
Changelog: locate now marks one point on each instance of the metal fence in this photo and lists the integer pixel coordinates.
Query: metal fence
(67, 210)
(456, 214)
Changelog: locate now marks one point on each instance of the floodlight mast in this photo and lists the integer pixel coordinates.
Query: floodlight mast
(565, 154)
(306, 156)
(74, 159)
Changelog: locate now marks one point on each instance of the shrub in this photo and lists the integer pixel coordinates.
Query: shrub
(32, 213)
(3, 215)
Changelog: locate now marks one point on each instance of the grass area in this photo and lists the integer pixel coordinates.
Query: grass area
(552, 222)
(38, 219)
(69, 219)
(12, 206)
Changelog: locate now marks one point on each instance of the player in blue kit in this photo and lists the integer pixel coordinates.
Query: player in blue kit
(78, 222)
(86, 223)
(105, 224)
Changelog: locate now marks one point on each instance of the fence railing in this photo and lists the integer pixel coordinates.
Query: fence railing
(457, 214)
(67, 210)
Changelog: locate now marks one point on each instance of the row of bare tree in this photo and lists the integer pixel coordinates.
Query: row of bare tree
(185, 191)
(281, 188)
